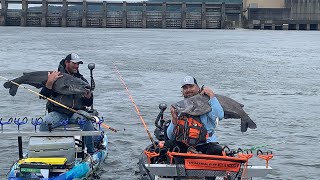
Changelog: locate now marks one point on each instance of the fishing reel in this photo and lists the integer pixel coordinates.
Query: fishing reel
(91, 66)
(161, 124)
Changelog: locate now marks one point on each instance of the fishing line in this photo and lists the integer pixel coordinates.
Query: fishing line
(134, 104)
(62, 105)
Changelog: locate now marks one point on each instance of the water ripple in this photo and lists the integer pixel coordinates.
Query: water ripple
(267, 71)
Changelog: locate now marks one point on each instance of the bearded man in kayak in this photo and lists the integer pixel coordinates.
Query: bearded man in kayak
(196, 131)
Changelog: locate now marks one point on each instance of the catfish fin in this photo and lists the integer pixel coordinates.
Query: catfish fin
(8, 84)
(13, 90)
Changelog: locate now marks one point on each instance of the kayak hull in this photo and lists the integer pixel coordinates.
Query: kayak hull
(162, 164)
(81, 168)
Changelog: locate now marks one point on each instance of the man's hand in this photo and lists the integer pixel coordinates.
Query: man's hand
(208, 92)
(87, 94)
(52, 77)
(174, 115)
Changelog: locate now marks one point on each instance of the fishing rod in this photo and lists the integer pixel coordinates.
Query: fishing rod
(59, 104)
(135, 106)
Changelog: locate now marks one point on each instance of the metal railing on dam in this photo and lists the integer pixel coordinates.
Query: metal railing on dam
(75, 13)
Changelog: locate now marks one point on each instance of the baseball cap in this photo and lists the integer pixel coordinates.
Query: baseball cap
(73, 57)
(188, 80)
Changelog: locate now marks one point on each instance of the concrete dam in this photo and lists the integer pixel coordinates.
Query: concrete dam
(103, 14)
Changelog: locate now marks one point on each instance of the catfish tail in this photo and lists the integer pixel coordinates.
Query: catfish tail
(7, 84)
(13, 88)
(247, 123)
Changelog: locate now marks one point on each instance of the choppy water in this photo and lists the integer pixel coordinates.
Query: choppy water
(275, 74)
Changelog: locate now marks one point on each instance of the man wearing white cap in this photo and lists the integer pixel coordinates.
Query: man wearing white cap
(200, 128)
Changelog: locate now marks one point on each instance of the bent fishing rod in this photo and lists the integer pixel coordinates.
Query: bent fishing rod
(59, 104)
(135, 106)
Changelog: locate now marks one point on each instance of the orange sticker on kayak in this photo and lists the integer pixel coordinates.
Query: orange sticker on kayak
(214, 165)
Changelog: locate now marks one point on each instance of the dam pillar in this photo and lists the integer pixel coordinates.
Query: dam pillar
(223, 15)
(203, 16)
(84, 13)
(164, 14)
(124, 14)
(240, 21)
(4, 10)
(104, 14)
(44, 13)
(183, 15)
(144, 14)
(64, 13)
(24, 10)
(308, 27)
(297, 27)
(273, 27)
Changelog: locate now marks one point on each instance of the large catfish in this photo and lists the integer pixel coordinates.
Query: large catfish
(66, 84)
(198, 105)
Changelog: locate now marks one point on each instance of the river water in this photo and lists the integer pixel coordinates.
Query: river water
(275, 74)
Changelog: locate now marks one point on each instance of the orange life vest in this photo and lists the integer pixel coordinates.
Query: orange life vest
(190, 131)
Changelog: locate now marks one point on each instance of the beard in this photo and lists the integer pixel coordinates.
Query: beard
(188, 95)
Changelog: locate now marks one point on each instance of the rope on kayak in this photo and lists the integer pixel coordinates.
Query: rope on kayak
(59, 104)
(134, 104)
(263, 145)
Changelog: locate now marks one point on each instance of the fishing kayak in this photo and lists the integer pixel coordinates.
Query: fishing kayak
(158, 162)
(59, 155)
